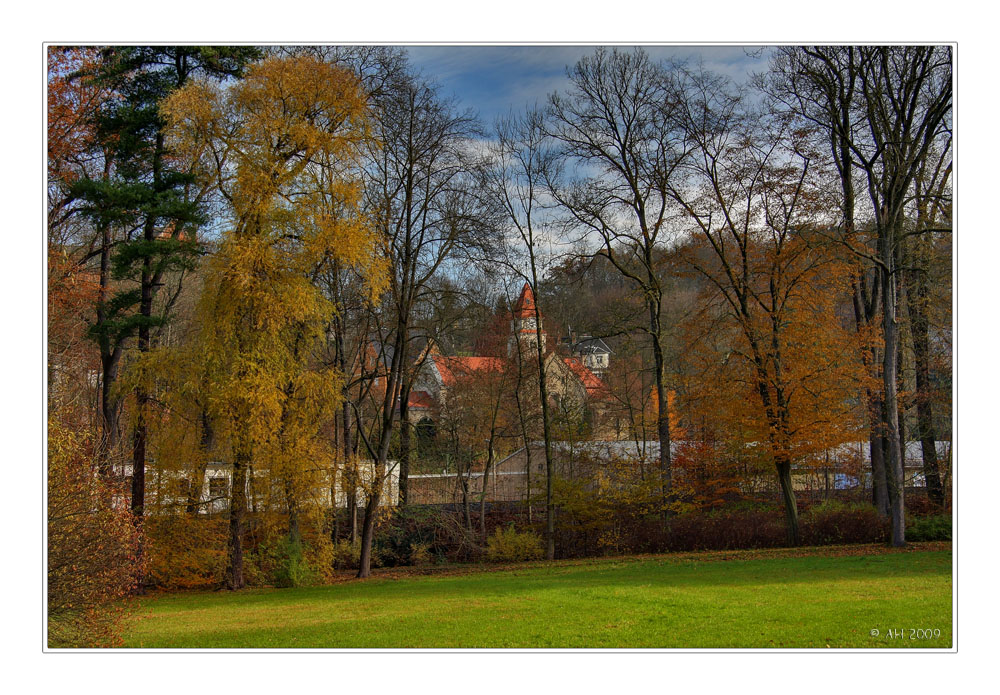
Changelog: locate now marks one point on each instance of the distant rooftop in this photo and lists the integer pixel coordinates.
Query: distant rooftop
(589, 345)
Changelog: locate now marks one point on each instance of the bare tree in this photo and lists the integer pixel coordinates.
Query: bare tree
(520, 161)
(933, 210)
(616, 126)
(419, 197)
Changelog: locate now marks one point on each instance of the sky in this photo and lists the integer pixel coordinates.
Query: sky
(495, 79)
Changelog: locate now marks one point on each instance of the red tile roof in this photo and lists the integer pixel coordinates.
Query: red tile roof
(452, 368)
(589, 380)
(420, 400)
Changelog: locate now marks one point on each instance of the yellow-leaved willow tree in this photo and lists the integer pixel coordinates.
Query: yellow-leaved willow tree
(283, 144)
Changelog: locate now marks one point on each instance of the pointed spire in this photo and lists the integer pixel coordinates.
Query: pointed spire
(524, 307)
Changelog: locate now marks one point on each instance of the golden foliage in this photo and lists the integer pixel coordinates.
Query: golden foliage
(285, 143)
(282, 145)
(186, 552)
(288, 137)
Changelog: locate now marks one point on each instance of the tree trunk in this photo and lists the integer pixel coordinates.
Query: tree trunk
(901, 301)
(482, 496)
(110, 358)
(197, 481)
(110, 430)
(876, 451)
(404, 444)
(368, 527)
(865, 308)
(291, 501)
(352, 506)
(389, 407)
(237, 514)
(348, 470)
(543, 394)
(788, 496)
(139, 459)
(917, 311)
(890, 330)
(351, 471)
(524, 434)
(465, 502)
(142, 399)
(663, 401)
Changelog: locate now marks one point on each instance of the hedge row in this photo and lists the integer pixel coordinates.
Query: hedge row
(189, 552)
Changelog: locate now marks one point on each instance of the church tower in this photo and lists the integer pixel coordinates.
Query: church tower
(522, 325)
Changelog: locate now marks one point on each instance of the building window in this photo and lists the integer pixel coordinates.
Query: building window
(218, 486)
(842, 481)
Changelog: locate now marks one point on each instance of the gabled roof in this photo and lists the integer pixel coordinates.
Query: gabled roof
(453, 368)
(588, 345)
(589, 380)
(524, 307)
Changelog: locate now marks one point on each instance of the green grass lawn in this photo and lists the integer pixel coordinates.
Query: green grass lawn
(747, 600)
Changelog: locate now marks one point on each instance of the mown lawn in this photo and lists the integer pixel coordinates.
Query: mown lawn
(816, 598)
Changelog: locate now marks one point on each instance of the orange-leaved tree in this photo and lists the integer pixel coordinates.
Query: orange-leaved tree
(769, 348)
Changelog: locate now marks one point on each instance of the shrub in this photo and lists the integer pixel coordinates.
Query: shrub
(919, 504)
(753, 506)
(285, 562)
(831, 506)
(420, 554)
(765, 527)
(835, 522)
(726, 530)
(93, 547)
(395, 532)
(441, 533)
(186, 552)
(931, 528)
(346, 555)
(291, 568)
(510, 545)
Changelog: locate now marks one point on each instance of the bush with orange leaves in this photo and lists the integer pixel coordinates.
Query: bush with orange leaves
(704, 477)
(93, 547)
